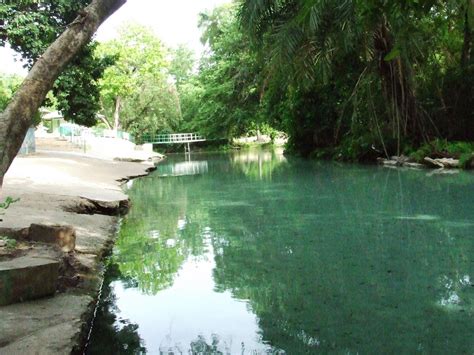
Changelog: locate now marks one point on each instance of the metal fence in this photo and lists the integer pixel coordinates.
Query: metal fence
(74, 130)
(172, 138)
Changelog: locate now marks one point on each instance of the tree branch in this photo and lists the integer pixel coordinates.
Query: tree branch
(17, 117)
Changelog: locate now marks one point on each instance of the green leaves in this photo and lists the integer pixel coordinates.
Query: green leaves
(8, 201)
(394, 54)
(140, 81)
(8, 86)
(30, 26)
(222, 100)
(6, 204)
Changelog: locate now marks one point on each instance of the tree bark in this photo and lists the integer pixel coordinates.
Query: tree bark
(17, 117)
(103, 117)
(468, 29)
(118, 104)
(105, 121)
(397, 88)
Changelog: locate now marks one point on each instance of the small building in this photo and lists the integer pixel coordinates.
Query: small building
(52, 120)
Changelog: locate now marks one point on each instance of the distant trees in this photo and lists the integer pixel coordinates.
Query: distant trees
(8, 85)
(137, 94)
(221, 101)
(182, 64)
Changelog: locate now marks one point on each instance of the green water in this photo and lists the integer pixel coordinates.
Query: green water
(255, 253)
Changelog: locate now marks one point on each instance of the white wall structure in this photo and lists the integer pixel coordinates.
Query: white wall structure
(29, 144)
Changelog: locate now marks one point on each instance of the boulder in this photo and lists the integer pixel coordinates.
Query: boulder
(442, 163)
(27, 278)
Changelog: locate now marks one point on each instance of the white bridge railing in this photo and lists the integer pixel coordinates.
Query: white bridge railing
(174, 138)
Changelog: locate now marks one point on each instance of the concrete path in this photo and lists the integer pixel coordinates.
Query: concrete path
(48, 185)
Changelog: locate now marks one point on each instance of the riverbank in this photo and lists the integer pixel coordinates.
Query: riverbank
(66, 189)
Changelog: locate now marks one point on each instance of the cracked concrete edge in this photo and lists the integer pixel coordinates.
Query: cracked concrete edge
(107, 247)
(78, 326)
(88, 315)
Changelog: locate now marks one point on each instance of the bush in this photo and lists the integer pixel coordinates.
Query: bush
(441, 148)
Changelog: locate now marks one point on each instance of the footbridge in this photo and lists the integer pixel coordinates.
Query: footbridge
(174, 138)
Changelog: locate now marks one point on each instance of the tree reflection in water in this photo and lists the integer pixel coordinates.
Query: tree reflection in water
(329, 258)
(113, 335)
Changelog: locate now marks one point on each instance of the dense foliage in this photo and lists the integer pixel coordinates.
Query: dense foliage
(353, 79)
(8, 85)
(30, 26)
(222, 100)
(137, 94)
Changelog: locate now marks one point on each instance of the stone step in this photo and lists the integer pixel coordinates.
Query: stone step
(27, 278)
(55, 144)
(62, 236)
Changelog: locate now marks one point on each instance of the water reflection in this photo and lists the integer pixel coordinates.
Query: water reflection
(189, 167)
(263, 254)
(113, 334)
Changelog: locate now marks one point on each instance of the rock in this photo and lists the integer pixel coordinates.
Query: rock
(27, 278)
(108, 208)
(414, 165)
(3, 243)
(130, 160)
(387, 162)
(400, 161)
(62, 236)
(443, 163)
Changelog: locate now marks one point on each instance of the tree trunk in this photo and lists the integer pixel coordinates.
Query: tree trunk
(397, 88)
(17, 117)
(118, 104)
(103, 117)
(105, 121)
(467, 46)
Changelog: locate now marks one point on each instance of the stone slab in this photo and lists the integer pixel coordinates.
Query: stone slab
(62, 236)
(46, 326)
(27, 278)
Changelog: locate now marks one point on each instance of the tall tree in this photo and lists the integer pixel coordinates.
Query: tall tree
(227, 84)
(182, 64)
(17, 117)
(136, 92)
(468, 12)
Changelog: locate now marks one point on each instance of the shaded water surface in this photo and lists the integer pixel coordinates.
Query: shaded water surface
(255, 253)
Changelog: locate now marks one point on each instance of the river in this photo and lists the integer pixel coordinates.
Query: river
(257, 253)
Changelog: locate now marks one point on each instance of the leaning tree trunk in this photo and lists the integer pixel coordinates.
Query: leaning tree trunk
(17, 117)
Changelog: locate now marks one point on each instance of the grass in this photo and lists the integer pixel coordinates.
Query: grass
(10, 244)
